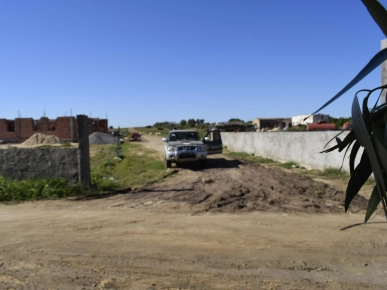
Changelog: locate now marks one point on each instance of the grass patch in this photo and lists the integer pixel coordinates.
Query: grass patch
(146, 131)
(329, 173)
(139, 166)
(333, 173)
(249, 157)
(259, 159)
(264, 160)
(289, 165)
(64, 145)
(19, 190)
(297, 128)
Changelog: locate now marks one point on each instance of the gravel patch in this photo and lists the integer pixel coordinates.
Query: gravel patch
(102, 138)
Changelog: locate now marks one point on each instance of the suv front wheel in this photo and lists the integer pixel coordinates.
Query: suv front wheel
(168, 163)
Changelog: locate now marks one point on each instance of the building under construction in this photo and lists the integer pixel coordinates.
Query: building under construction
(65, 128)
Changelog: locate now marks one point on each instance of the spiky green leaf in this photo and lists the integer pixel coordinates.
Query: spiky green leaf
(381, 154)
(378, 133)
(366, 113)
(347, 140)
(378, 13)
(377, 60)
(352, 156)
(358, 178)
(345, 154)
(335, 137)
(365, 141)
(385, 130)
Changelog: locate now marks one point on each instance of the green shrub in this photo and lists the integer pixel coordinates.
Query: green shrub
(19, 190)
(297, 128)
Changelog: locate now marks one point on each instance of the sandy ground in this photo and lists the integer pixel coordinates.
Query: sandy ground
(232, 225)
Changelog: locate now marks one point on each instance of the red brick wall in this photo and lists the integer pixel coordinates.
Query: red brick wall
(24, 128)
(4, 133)
(60, 127)
(97, 125)
(43, 125)
(103, 125)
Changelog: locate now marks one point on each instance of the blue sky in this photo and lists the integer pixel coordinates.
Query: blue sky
(140, 61)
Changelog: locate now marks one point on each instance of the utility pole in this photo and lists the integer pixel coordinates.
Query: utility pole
(83, 152)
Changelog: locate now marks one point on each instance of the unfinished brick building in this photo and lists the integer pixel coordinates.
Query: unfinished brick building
(20, 129)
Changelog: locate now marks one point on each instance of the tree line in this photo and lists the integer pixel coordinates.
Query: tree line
(190, 123)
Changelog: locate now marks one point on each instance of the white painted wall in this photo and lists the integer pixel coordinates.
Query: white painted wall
(299, 120)
(301, 147)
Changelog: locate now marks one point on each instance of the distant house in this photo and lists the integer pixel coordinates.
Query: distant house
(272, 124)
(318, 118)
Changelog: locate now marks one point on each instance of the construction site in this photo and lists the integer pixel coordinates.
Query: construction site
(65, 128)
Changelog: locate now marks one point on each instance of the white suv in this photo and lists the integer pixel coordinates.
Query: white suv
(183, 146)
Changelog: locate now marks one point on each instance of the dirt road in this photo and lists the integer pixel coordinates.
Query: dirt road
(232, 225)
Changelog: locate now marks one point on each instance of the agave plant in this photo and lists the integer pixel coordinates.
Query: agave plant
(369, 129)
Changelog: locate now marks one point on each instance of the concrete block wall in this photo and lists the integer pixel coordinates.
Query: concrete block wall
(301, 147)
(32, 163)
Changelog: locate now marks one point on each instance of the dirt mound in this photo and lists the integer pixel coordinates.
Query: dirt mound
(102, 138)
(40, 138)
(232, 186)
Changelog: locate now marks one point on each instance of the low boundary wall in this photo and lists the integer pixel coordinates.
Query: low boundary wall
(46, 162)
(301, 147)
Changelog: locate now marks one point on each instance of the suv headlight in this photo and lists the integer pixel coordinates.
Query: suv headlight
(171, 149)
(200, 148)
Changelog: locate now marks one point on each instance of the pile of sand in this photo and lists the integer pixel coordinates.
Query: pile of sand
(40, 138)
(102, 138)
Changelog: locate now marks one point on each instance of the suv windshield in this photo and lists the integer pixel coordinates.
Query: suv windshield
(184, 136)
